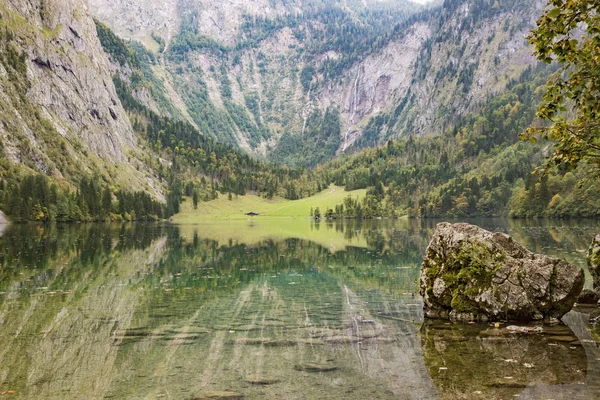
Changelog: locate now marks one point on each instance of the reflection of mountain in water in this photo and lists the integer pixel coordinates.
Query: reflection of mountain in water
(284, 327)
(138, 311)
(95, 311)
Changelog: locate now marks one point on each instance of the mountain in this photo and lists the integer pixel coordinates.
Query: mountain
(70, 151)
(59, 110)
(68, 148)
(275, 77)
(420, 106)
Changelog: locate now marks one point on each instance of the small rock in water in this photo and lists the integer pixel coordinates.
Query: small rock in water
(507, 383)
(562, 338)
(314, 367)
(342, 339)
(525, 329)
(218, 394)
(261, 380)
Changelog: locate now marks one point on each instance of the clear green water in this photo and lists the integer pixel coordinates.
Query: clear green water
(268, 312)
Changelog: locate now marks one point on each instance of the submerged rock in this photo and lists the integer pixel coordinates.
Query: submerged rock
(269, 342)
(471, 274)
(261, 380)
(588, 296)
(314, 367)
(218, 394)
(593, 260)
(507, 382)
(524, 329)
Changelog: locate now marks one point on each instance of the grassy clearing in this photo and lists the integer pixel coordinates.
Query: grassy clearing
(276, 208)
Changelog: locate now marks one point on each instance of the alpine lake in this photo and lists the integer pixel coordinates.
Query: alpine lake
(263, 309)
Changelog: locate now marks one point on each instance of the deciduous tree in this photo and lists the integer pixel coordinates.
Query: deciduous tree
(569, 33)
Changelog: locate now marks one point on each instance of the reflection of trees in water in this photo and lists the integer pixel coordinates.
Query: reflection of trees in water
(38, 255)
(390, 244)
(35, 245)
(235, 264)
(34, 254)
(110, 278)
(566, 239)
(266, 307)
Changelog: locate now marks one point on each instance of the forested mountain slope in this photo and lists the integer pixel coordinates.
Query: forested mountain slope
(315, 77)
(71, 151)
(477, 167)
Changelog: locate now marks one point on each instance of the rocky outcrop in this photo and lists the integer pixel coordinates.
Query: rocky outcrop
(593, 260)
(59, 110)
(471, 274)
(69, 81)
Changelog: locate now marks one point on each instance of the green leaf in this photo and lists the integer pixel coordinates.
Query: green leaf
(554, 13)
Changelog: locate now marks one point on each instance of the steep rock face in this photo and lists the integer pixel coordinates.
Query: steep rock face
(371, 87)
(60, 111)
(417, 80)
(469, 59)
(139, 19)
(69, 75)
(469, 273)
(270, 70)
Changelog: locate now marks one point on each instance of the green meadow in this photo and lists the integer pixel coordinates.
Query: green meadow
(276, 208)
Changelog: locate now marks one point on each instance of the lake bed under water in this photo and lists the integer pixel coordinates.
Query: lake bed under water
(267, 310)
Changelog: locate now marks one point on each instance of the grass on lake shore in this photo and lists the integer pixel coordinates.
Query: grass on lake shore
(276, 208)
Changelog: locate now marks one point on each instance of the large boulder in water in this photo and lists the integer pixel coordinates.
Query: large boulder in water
(471, 274)
(593, 260)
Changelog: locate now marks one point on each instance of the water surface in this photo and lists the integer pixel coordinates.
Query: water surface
(274, 310)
